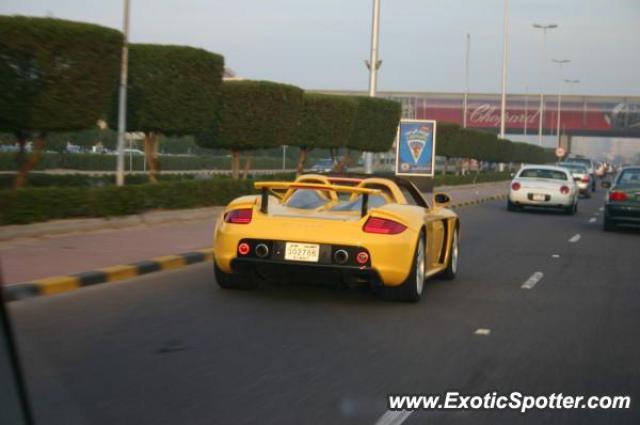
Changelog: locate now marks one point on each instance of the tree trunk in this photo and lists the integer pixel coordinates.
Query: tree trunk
(247, 164)
(302, 156)
(26, 164)
(151, 155)
(342, 164)
(235, 165)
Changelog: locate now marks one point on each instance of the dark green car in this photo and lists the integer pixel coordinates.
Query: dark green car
(622, 205)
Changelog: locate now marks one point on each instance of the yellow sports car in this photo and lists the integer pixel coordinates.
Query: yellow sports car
(352, 230)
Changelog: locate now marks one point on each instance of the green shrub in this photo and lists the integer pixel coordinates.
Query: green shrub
(326, 121)
(375, 124)
(171, 89)
(29, 205)
(55, 74)
(102, 162)
(254, 115)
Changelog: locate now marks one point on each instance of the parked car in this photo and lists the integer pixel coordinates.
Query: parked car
(580, 175)
(323, 166)
(543, 186)
(622, 204)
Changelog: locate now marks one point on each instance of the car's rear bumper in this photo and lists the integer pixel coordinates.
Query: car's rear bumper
(525, 198)
(390, 256)
(324, 274)
(623, 213)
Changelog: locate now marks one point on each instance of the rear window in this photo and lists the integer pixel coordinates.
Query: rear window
(585, 162)
(576, 168)
(631, 176)
(541, 173)
(356, 204)
(306, 199)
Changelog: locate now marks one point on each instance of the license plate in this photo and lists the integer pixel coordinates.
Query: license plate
(302, 252)
(538, 197)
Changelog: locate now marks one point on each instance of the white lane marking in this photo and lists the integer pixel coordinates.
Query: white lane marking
(392, 417)
(593, 220)
(601, 209)
(575, 238)
(597, 214)
(555, 256)
(533, 280)
(482, 331)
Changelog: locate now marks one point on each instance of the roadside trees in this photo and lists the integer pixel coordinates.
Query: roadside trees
(253, 115)
(172, 90)
(55, 75)
(326, 122)
(375, 125)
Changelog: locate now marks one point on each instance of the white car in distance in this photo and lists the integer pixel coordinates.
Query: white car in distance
(580, 175)
(543, 186)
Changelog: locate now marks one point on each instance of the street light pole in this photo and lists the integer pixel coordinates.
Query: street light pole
(466, 81)
(373, 65)
(526, 109)
(505, 45)
(122, 100)
(544, 29)
(559, 110)
(560, 62)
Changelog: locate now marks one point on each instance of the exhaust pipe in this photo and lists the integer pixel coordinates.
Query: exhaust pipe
(341, 256)
(262, 250)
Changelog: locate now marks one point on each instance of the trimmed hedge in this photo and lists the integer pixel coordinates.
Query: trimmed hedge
(101, 162)
(171, 89)
(456, 142)
(36, 204)
(254, 115)
(84, 180)
(375, 125)
(326, 121)
(470, 178)
(55, 74)
(40, 204)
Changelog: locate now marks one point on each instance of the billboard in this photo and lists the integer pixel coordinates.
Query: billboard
(415, 148)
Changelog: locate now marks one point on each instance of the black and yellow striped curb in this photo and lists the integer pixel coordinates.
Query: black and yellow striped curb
(60, 284)
(479, 201)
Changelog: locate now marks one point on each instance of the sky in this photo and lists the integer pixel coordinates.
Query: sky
(322, 44)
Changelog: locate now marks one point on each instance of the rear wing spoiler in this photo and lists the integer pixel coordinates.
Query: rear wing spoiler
(266, 186)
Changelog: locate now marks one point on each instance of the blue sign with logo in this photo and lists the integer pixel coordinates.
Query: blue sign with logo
(415, 148)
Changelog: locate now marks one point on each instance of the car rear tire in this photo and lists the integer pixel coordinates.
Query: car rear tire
(452, 266)
(609, 225)
(411, 289)
(512, 207)
(571, 210)
(232, 280)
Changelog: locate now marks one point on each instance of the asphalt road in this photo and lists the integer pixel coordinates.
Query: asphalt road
(172, 348)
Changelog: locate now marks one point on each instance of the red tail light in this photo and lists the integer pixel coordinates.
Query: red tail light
(564, 190)
(241, 216)
(515, 186)
(383, 226)
(585, 179)
(618, 196)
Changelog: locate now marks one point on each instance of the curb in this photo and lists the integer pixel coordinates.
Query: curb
(67, 283)
(60, 284)
(479, 201)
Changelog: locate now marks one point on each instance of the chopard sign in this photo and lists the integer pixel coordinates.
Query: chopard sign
(490, 114)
